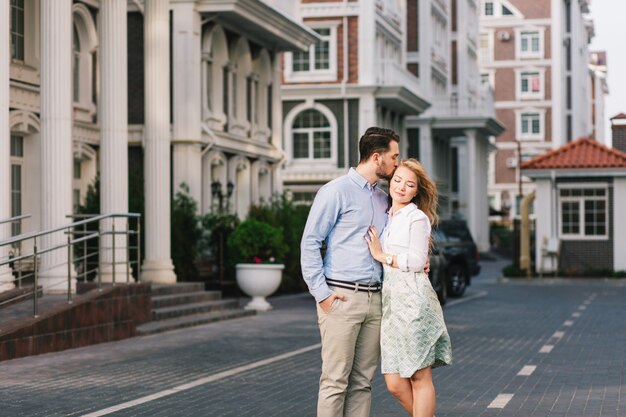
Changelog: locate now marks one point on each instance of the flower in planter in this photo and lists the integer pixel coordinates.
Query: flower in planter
(257, 242)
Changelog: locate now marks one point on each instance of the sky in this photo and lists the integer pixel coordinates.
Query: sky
(609, 17)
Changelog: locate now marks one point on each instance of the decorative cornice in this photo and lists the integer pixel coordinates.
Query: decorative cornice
(260, 22)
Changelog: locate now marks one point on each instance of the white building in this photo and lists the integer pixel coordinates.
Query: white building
(87, 83)
(535, 54)
(354, 77)
(454, 133)
(383, 63)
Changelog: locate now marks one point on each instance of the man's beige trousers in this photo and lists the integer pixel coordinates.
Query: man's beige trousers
(350, 350)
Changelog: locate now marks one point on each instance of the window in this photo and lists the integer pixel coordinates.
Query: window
(76, 65)
(488, 8)
(317, 57)
(311, 136)
(530, 44)
(77, 169)
(584, 212)
(319, 63)
(208, 62)
(500, 8)
(17, 155)
(530, 84)
(486, 50)
(530, 124)
(17, 30)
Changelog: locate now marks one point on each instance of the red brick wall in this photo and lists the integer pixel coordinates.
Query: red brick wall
(504, 174)
(507, 117)
(411, 26)
(504, 84)
(353, 51)
(534, 9)
(94, 317)
(504, 50)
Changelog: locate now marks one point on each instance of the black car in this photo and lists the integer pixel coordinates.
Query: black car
(438, 274)
(454, 240)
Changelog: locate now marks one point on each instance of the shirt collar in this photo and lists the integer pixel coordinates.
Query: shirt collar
(359, 179)
(409, 208)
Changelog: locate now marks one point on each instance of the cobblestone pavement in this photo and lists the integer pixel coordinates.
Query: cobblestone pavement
(521, 348)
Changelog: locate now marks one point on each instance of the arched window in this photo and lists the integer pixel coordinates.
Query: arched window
(76, 65)
(311, 134)
(261, 98)
(84, 47)
(215, 76)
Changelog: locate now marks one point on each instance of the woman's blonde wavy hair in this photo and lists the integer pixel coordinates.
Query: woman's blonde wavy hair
(427, 197)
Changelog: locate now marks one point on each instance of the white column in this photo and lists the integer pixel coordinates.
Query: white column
(367, 113)
(426, 149)
(56, 138)
(6, 279)
(619, 226)
(275, 125)
(477, 199)
(187, 86)
(113, 114)
(543, 223)
(157, 266)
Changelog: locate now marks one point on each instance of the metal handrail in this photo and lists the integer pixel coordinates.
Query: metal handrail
(15, 218)
(74, 239)
(60, 228)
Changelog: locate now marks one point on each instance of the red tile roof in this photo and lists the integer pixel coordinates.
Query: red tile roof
(618, 116)
(581, 153)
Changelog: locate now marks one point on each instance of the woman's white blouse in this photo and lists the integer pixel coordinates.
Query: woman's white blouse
(407, 236)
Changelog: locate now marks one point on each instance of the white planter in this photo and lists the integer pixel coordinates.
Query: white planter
(259, 281)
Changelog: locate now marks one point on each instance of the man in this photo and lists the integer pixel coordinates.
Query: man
(346, 283)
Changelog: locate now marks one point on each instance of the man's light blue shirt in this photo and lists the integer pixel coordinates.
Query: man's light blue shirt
(341, 214)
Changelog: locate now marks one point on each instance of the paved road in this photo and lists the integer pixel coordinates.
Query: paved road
(522, 348)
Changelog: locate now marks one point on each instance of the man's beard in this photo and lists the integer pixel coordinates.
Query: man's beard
(380, 173)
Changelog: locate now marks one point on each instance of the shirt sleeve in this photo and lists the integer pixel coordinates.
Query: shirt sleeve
(322, 218)
(419, 242)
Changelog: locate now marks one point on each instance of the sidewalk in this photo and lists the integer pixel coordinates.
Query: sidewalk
(573, 337)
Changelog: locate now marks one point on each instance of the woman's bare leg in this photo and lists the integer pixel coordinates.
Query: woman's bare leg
(401, 389)
(423, 393)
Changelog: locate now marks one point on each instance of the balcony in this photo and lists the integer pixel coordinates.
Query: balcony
(480, 105)
(391, 73)
(398, 89)
(466, 112)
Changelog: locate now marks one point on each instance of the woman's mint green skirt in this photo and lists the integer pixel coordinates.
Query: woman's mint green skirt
(413, 332)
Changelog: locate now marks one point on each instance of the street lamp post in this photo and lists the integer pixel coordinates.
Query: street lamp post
(217, 193)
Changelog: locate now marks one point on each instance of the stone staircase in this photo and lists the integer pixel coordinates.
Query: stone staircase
(188, 304)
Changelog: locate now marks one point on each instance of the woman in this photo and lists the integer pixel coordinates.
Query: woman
(414, 338)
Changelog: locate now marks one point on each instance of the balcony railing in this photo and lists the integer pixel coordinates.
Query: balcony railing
(392, 73)
(480, 105)
(83, 243)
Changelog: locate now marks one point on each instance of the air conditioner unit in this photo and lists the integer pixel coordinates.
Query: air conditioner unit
(511, 162)
(504, 36)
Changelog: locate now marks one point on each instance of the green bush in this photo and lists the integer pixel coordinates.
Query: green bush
(254, 241)
(186, 235)
(511, 271)
(281, 212)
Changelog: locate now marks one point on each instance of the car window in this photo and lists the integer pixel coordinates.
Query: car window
(456, 232)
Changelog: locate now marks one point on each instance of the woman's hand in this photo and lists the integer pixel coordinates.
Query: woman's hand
(374, 243)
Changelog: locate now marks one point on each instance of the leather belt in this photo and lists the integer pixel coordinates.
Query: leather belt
(349, 285)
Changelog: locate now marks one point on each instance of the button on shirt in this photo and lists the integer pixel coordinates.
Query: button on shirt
(341, 214)
(407, 235)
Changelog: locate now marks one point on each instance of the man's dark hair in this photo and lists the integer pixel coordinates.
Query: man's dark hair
(376, 139)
